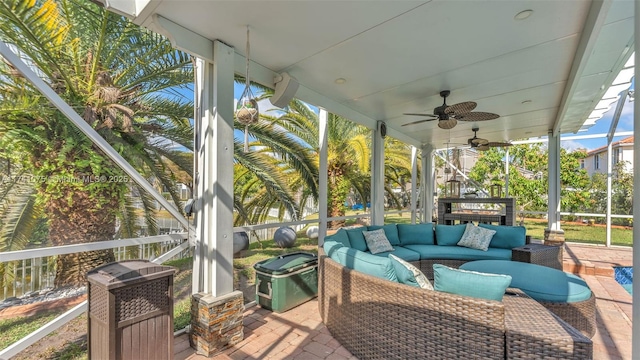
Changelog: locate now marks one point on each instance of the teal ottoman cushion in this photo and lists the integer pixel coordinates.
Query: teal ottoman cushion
(470, 283)
(449, 235)
(390, 230)
(356, 238)
(416, 234)
(540, 282)
(507, 237)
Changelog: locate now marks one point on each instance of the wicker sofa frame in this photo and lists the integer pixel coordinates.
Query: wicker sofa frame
(379, 319)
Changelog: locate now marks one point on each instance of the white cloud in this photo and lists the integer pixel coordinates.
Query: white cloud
(571, 145)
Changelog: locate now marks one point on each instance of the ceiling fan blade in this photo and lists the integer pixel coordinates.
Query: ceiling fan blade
(460, 108)
(418, 122)
(477, 116)
(498, 144)
(418, 114)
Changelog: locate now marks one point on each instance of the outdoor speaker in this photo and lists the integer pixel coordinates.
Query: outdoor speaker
(286, 87)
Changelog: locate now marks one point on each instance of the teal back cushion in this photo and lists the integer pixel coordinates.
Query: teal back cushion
(330, 248)
(356, 238)
(470, 283)
(507, 237)
(364, 262)
(416, 234)
(449, 235)
(341, 237)
(390, 231)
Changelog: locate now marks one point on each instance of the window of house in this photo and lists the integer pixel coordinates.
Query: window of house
(582, 164)
(617, 155)
(596, 161)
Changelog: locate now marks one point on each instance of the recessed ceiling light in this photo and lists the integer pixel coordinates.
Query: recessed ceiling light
(523, 14)
(340, 80)
(526, 102)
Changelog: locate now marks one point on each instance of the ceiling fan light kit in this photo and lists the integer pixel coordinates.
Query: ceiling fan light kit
(447, 124)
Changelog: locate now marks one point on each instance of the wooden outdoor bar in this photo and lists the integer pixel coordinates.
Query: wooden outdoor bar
(463, 210)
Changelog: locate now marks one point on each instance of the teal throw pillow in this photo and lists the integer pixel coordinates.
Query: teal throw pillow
(470, 283)
(507, 237)
(449, 235)
(416, 234)
(356, 239)
(475, 237)
(409, 274)
(390, 231)
(377, 241)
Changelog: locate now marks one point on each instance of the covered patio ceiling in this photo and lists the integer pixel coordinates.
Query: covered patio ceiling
(545, 72)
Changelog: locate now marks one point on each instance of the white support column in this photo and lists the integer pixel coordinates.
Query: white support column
(635, 308)
(377, 178)
(214, 180)
(506, 173)
(609, 186)
(414, 182)
(428, 170)
(323, 176)
(553, 233)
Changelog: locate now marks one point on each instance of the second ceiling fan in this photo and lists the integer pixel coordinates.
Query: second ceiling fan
(484, 144)
(448, 115)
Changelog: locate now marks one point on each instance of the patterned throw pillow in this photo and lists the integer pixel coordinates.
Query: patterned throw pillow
(377, 241)
(475, 237)
(409, 274)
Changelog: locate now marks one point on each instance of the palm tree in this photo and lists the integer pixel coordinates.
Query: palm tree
(130, 85)
(349, 156)
(123, 81)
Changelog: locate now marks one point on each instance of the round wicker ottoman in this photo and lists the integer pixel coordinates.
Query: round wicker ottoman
(564, 294)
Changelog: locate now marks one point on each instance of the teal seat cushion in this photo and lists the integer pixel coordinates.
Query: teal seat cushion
(540, 282)
(507, 237)
(470, 283)
(459, 253)
(449, 235)
(340, 236)
(356, 238)
(416, 234)
(390, 230)
(401, 252)
(379, 266)
(330, 248)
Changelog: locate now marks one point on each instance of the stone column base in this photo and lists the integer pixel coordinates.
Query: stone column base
(553, 237)
(216, 322)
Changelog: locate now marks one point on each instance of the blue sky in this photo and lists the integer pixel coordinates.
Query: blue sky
(602, 127)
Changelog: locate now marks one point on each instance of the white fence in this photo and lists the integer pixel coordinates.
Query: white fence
(33, 270)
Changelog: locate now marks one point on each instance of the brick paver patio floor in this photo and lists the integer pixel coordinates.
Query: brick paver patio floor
(300, 334)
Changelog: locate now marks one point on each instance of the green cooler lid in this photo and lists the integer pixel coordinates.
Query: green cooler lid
(287, 263)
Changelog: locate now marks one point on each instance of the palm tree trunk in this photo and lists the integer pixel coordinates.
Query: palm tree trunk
(80, 221)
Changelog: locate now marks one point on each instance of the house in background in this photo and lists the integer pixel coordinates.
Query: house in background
(596, 160)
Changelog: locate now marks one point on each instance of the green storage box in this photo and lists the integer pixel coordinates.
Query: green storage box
(286, 281)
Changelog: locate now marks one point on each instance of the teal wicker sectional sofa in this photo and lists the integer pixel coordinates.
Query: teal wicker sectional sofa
(425, 244)
(375, 316)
